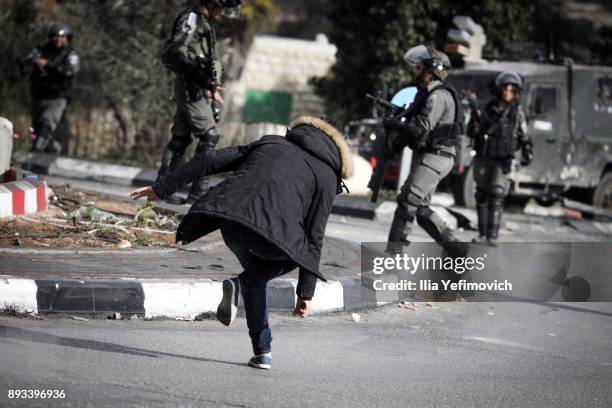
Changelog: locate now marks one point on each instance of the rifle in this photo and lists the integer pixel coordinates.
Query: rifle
(26, 66)
(381, 150)
(211, 72)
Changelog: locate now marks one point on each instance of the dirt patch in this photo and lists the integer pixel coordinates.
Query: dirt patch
(77, 219)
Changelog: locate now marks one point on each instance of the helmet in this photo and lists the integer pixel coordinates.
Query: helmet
(232, 7)
(61, 29)
(509, 77)
(435, 61)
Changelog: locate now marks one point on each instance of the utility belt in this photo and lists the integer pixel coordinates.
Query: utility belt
(438, 152)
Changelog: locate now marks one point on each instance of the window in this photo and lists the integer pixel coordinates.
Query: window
(604, 90)
(543, 100)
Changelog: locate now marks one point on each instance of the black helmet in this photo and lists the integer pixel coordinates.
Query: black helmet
(436, 61)
(509, 77)
(61, 29)
(232, 7)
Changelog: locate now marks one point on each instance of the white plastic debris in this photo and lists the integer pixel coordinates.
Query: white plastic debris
(356, 318)
(124, 244)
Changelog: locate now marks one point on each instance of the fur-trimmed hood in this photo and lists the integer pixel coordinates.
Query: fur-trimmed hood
(339, 158)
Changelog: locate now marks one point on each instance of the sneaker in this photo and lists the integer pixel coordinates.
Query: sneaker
(492, 242)
(262, 361)
(227, 309)
(481, 239)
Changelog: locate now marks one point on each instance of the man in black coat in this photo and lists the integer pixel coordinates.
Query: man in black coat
(272, 212)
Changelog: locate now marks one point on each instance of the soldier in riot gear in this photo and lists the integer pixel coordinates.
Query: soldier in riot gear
(430, 127)
(498, 132)
(191, 54)
(51, 69)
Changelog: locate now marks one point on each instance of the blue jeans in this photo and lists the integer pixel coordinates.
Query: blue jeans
(262, 262)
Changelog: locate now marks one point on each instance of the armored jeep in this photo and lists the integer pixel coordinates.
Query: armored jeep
(569, 115)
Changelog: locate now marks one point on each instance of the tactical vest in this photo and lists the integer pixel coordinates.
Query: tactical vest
(203, 44)
(47, 85)
(447, 134)
(496, 139)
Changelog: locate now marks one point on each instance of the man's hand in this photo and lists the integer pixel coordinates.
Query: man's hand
(218, 95)
(302, 307)
(41, 62)
(147, 192)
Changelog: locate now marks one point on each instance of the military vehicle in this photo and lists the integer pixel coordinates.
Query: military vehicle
(569, 115)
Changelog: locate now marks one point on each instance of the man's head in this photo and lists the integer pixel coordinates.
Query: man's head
(59, 34)
(427, 64)
(508, 86)
(216, 8)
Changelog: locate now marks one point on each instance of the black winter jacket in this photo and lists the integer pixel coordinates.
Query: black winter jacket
(282, 188)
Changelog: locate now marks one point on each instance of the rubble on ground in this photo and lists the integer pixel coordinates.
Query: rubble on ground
(76, 219)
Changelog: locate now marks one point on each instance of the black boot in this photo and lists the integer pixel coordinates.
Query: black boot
(206, 145)
(454, 247)
(399, 231)
(482, 210)
(170, 161)
(496, 208)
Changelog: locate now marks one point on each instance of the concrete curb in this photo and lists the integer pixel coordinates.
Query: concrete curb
(153, 298)
(23, 197)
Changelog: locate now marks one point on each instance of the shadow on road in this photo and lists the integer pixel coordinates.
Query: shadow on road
(45, 338)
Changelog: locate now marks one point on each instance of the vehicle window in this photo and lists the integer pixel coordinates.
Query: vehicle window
(604, 90)
(543, 100)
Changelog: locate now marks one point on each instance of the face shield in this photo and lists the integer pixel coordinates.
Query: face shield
(232, 12)
(417, 54)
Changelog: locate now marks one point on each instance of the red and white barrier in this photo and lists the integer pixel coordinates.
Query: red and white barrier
(23, 197)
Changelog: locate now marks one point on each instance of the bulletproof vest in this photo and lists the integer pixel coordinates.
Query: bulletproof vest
(202, 44)
(496, 139)
(447, 134)
(46, 84)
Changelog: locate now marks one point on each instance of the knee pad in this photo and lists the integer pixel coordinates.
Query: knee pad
(208, 141)
(423, 214)
(405, 210)
(497, 192)
(178, 146)
(481, 195)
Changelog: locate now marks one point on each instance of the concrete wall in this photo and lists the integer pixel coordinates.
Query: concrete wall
(6, 144)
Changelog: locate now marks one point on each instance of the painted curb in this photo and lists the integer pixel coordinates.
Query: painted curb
(151, 298)
(23, 197)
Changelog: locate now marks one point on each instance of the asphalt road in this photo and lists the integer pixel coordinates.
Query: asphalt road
(449, 355)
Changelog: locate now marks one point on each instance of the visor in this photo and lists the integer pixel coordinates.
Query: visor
(417, 54)
(231, 12)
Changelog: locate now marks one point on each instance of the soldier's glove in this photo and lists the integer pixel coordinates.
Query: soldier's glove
(472, 101)
(526, 158)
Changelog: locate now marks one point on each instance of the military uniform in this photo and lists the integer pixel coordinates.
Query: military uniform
(190, 53)
(50, 91)
(497, 134)
(431, 130)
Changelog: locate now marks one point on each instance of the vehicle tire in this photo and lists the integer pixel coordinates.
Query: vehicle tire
(464, 188)
(602, 197)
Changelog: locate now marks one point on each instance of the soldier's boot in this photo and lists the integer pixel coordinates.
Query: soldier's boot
(437, 229)
(43, 139)
(496, 208)
(401, 226)
(171, 159)
(207, 144)
(482, 210)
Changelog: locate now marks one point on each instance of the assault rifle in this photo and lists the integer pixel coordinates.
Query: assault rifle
(381, 149)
